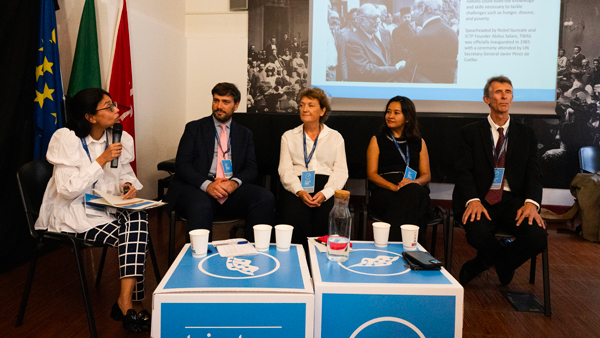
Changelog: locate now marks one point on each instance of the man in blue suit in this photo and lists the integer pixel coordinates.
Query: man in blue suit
(214, 166)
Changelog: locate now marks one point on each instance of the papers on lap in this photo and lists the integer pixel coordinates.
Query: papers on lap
(131, 204)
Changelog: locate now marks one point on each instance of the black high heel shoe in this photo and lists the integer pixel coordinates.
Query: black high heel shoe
(144, 321)
(130, 319)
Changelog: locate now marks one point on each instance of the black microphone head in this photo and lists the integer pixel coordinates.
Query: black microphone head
(117, 128)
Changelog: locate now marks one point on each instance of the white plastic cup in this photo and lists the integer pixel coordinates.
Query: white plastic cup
(410, 233)
(381, 234)
(199, 240)
(262, 236)
(283, 236)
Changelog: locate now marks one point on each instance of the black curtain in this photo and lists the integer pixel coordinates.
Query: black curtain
(19, 25)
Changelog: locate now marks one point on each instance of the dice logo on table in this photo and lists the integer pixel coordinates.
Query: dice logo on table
(242, 265)
(377, 261)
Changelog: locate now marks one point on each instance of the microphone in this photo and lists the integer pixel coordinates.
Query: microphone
(117, 131)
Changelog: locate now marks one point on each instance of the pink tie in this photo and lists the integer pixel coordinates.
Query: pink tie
(495, 196)
(220, 158)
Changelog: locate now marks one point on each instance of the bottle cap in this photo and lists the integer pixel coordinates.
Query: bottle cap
(342, 194)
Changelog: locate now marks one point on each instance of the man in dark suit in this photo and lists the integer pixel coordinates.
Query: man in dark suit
(498, 186)
(214, 166)
(368, 50)
(403, 34)
(434, 49)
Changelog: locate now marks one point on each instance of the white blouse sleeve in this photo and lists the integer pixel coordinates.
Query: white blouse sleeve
(288, 179)
(339, 173)
(72, 175)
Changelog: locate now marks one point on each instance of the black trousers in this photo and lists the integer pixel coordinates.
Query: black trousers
(408, 205)
(253, 203)
(529, 241)
(307, 221)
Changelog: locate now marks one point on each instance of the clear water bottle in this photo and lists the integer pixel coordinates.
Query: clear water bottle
(340, 226)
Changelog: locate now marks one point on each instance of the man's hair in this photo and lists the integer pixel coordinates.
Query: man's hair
(227, 89)
(411, 125)
(363, 9)
(577, 47)
(433, 6)
(319, 95)
(500, 79)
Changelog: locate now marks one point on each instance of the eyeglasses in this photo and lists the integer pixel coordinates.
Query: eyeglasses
(112, 107)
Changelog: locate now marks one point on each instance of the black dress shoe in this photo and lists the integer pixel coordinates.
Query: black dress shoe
(505, 275)
(144, 321)
(470, 270)
(130, 319)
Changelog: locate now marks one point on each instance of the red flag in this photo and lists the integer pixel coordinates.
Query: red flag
(120, 84)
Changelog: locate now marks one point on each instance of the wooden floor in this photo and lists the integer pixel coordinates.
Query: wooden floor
(56, 309)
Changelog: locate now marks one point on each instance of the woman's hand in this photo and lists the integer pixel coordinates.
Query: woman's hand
(113, 151)
(405, 181)
(308, 199)
(129, 194)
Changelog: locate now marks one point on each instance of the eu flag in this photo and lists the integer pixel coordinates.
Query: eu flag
(49, 91)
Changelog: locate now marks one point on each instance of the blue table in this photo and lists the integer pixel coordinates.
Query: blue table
(265, 295)
(373, 294)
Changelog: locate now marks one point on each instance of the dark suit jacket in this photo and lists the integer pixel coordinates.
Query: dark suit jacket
(475, 164)
(434, 50)
(196, 151)
(402, 39)
(366, 61)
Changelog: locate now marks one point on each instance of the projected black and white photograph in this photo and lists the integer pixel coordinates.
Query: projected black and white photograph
(410, 41)
(277, 54)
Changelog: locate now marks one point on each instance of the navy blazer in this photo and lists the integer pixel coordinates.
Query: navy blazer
(475, 164)
(196, 151)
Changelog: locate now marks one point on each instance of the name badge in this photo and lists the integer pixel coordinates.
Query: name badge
(498, 178)
(227, 168)
(410, 173)
(308, 181)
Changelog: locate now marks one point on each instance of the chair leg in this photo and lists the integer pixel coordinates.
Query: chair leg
(153, 258)
(84, 290)
(101, 268)
(546, 268)
(365, 217)
(532, 267)
(449, 241)
(172, 237)
(28, 283)
(433, 239)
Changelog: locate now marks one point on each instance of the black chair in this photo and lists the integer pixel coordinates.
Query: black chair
(33, 178)
(163, 183)
(589, 159)
(545, 266)
(436, 216)
(217, 220)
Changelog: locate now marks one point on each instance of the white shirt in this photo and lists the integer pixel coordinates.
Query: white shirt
(74, 175)
(329, 159)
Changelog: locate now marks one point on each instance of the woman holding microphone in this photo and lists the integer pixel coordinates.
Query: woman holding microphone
(81, 155)
(398, 168)
(312, 165)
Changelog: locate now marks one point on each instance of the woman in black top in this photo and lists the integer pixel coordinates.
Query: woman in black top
(397, 148)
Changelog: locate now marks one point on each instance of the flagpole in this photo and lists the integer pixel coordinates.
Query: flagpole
(114, 45)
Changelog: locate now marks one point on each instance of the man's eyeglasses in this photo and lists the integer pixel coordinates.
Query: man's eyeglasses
(112, 107)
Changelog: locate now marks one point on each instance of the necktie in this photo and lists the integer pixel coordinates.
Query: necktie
(495, 196)
(382, 48)
(221, 157)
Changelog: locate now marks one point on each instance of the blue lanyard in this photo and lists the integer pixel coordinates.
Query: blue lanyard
(219, 142)
(494, 147)
(405, 158)
(85, 147)
(309, 157)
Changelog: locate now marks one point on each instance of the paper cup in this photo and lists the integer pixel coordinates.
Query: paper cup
(410, 234)
(199, 240)
(262, 236)
(283, 236)
(381, 233)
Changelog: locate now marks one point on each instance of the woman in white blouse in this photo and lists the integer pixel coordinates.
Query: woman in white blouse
(312, 165)
(81, 155)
